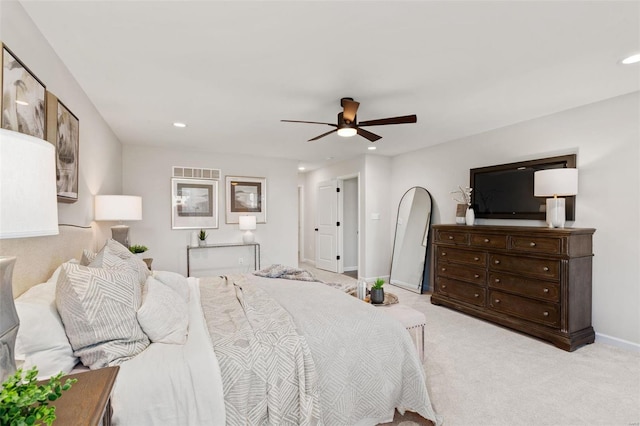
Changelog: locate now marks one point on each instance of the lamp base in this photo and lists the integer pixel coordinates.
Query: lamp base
(248, 237)
(555, 212)
(9, 320)
(120, 233)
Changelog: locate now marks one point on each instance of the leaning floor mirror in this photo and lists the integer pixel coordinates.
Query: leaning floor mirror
(411, 240)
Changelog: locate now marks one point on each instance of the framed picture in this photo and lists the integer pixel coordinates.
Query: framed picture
(194, 203)
(246, 196)
(63, 131)
(23, 97)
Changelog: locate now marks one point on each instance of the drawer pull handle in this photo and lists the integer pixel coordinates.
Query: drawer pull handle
(476, 258)
(451, 237)
(497, 280)
(546, 314)
(444, 286)
(546, 290)
(546, 269)
(532, 244)
(497, 301)
(497, 262)
(476, 276)
(476, 295)
(444, 269)
(486, 240)
(444, 253)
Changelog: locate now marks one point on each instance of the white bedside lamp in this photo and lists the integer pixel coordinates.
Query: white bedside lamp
(555, 183)
(118, 208)
(247, 223)
(28, 208)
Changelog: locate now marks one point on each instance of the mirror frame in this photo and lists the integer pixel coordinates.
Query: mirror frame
(425, 242)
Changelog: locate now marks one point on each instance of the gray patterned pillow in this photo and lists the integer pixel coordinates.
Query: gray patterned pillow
(88, 256)
(98, 309)
(113, 254)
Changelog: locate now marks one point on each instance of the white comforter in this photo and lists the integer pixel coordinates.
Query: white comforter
(172, 384)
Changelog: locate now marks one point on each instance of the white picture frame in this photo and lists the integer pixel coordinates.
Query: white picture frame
(194, 203)
(246, 196)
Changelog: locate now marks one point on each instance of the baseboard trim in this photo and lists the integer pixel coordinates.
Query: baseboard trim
(350, 268)
(619, 343)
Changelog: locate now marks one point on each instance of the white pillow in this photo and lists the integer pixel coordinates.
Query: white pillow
(54, 277)
(163, 316)
(98, 309)
(176, 282)
(41, 340)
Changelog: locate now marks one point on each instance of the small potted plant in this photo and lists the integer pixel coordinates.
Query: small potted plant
(464, 211)
(202, 238)
(25, 402)
(137, 249)
(377, 292)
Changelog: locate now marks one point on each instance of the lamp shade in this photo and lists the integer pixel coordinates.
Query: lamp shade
(118, 207)
(28, 195)
(552, 182)
(247, 223)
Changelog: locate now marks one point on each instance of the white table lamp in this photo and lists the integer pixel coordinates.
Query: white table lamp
(28, 208)
(118, 208)
(555, 183)
(247, 223)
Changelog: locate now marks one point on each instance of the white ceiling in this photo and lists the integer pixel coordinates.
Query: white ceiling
(233, 70)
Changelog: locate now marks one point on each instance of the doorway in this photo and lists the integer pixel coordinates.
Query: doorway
(350, 228)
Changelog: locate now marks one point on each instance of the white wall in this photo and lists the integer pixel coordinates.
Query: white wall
(100, 166)
(147, 172)
(605, 137)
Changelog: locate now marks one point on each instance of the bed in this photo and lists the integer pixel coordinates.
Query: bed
(240, 349)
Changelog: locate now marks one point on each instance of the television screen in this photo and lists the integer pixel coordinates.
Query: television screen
(506, 191)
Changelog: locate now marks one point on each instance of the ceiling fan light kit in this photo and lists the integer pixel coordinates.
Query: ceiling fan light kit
(348, 125)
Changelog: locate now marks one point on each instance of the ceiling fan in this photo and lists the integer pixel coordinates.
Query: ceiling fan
(348, 125)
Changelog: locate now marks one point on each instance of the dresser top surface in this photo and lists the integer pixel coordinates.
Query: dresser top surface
(515, 229)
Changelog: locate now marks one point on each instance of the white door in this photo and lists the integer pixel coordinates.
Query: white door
(327, 226)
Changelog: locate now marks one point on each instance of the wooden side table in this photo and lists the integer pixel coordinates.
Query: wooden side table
(88, 402)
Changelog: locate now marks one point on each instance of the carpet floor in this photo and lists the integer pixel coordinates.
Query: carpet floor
(479, 373)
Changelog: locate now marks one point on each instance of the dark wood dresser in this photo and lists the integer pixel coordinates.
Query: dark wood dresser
(532, 279)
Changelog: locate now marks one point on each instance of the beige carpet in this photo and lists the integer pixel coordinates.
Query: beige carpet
(482, 374)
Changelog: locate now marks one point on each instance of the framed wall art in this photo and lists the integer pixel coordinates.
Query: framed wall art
(63, 131)
(23, 97)
(246, 195)
(194, 203)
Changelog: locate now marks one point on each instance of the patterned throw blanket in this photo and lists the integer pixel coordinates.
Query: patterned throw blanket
(267, 370)
(290, 273)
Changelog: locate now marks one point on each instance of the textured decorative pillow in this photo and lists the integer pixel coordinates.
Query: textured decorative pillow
(176, 282)
(113, 254)
(98, 309)
(41, 340)
(163, 316)
(54, 277)
(88, 256)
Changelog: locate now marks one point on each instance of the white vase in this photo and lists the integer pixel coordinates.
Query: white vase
(470, 216)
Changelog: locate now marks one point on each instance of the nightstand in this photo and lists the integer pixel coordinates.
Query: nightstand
(88, 402)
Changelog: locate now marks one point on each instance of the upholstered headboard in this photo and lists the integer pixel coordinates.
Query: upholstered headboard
(38, 257)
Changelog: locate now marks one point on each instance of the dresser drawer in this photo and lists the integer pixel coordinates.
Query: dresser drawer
(462, 291)
(543, 268)
(536, 244)
(528, 309)
(542, 290)
(461, 272)
(452, 237)
(461, 256)
(488, 240)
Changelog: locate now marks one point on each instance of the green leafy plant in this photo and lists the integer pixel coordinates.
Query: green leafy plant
(25, 402)
(137, 249)
(379, 282)
(202, 235)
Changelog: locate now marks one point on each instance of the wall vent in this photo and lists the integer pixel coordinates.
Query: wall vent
(195, 173)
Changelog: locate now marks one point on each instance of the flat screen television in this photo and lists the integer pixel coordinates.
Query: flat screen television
(506, 191)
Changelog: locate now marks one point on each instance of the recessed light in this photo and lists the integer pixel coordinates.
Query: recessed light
(633, 59)
(176, 124)
(372, 148)
(301, 168)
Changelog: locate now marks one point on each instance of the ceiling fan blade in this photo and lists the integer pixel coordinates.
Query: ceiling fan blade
(309, 122)
(322, 135)
(405, 119)
(350, 109)
(367, 134)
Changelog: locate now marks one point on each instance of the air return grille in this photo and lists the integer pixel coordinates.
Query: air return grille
(196, 173)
